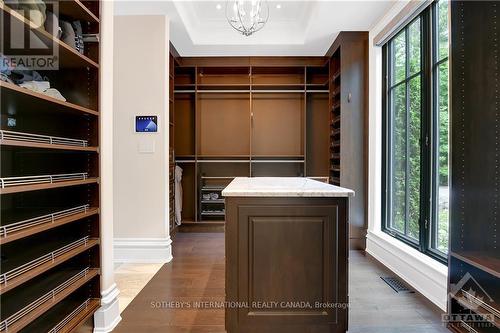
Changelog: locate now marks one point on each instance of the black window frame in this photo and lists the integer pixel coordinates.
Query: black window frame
(428, 80)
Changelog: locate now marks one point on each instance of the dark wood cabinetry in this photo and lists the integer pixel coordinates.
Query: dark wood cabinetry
(49, 181)
(240, 116)
(474, 260)
(348, 103)
(273, 116)
(286, 264)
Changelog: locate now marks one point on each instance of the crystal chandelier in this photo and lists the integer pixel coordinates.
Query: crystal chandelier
(247, 16)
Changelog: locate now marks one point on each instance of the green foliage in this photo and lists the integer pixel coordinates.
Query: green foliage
(406, 127)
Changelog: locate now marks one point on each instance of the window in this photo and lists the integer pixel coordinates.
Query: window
(416, 134)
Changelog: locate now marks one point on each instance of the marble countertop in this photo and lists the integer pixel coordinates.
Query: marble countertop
(283, 187)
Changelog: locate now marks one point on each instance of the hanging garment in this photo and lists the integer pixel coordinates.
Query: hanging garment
(178, 194)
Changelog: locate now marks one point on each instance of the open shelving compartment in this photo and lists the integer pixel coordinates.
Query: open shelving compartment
(244, 120)
(335, 117)
(49, 183)
(474, 255)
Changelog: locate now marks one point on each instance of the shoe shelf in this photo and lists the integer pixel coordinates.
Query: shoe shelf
(24, 271)
(71, 321)
(42, 296)
(479, 306)
(49, 181)
(32, 183)
(213, 213)
(20, 139)
(27, 227)
(20, 98)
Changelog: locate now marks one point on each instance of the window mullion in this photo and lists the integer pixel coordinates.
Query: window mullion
(407, 137)
(428, 123)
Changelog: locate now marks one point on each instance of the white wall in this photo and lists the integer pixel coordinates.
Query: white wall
(424, 274)
(141, 46)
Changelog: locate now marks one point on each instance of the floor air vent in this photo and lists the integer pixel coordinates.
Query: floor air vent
(396, 284)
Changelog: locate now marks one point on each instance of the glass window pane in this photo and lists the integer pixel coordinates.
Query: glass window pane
(443, 194)
(398, 58)
(414, 44)
(398, 158)
(414, 156)
(442, 27)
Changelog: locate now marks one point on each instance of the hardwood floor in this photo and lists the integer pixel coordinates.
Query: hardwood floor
(197, 275)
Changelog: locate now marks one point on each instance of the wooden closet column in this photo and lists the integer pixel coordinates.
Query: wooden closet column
(49, 182)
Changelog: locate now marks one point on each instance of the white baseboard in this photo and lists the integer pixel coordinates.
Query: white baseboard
(428, 276)
(108, 315)
(142, 250)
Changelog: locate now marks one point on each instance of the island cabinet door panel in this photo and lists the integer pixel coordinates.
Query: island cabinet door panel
(289, 265)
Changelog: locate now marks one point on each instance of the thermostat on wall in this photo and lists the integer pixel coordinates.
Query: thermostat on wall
(146, 124)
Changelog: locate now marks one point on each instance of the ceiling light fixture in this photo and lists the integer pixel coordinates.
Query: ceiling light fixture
(219, 6)
(278, 6)
(247, 16)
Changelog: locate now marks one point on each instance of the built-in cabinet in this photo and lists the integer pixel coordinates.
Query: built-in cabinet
(272, 116)
(247, 117)
(348, 145)
(474, 254)
(49, 178)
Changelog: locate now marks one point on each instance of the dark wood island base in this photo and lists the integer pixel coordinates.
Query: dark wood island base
(286, 259)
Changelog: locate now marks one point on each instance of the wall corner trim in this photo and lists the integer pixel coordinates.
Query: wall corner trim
(423, 273)
(108, 316)
(143, 250)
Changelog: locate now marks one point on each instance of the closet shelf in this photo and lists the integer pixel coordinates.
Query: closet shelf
(217, 201)
(77, 11)
(278, 161)
(224, 161)
(28, 227)
(208, 213)
(20, 139)
(335, 132)
(279, 91)
(479, 308)
(29, 270)
(336, 76)
(223, 91)
(33, 183)
(67, 56)
(480, 260)
(27, 314)
(78, 315)
(316, 91)
(335, 120)
(24, 99)
(213, 188)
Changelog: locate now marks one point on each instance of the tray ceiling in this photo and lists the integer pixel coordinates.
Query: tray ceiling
(199, 28)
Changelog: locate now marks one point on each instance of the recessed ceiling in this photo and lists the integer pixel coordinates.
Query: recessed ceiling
(295, 28)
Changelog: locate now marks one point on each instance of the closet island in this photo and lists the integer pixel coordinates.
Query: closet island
(286, 255)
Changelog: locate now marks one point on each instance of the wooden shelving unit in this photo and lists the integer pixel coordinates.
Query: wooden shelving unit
(348, 135)
(171, 115)
(247, 119)
(335, 118)
(474, 261)
(49, 183)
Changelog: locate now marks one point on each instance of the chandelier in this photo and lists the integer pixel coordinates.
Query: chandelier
(247, 16)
